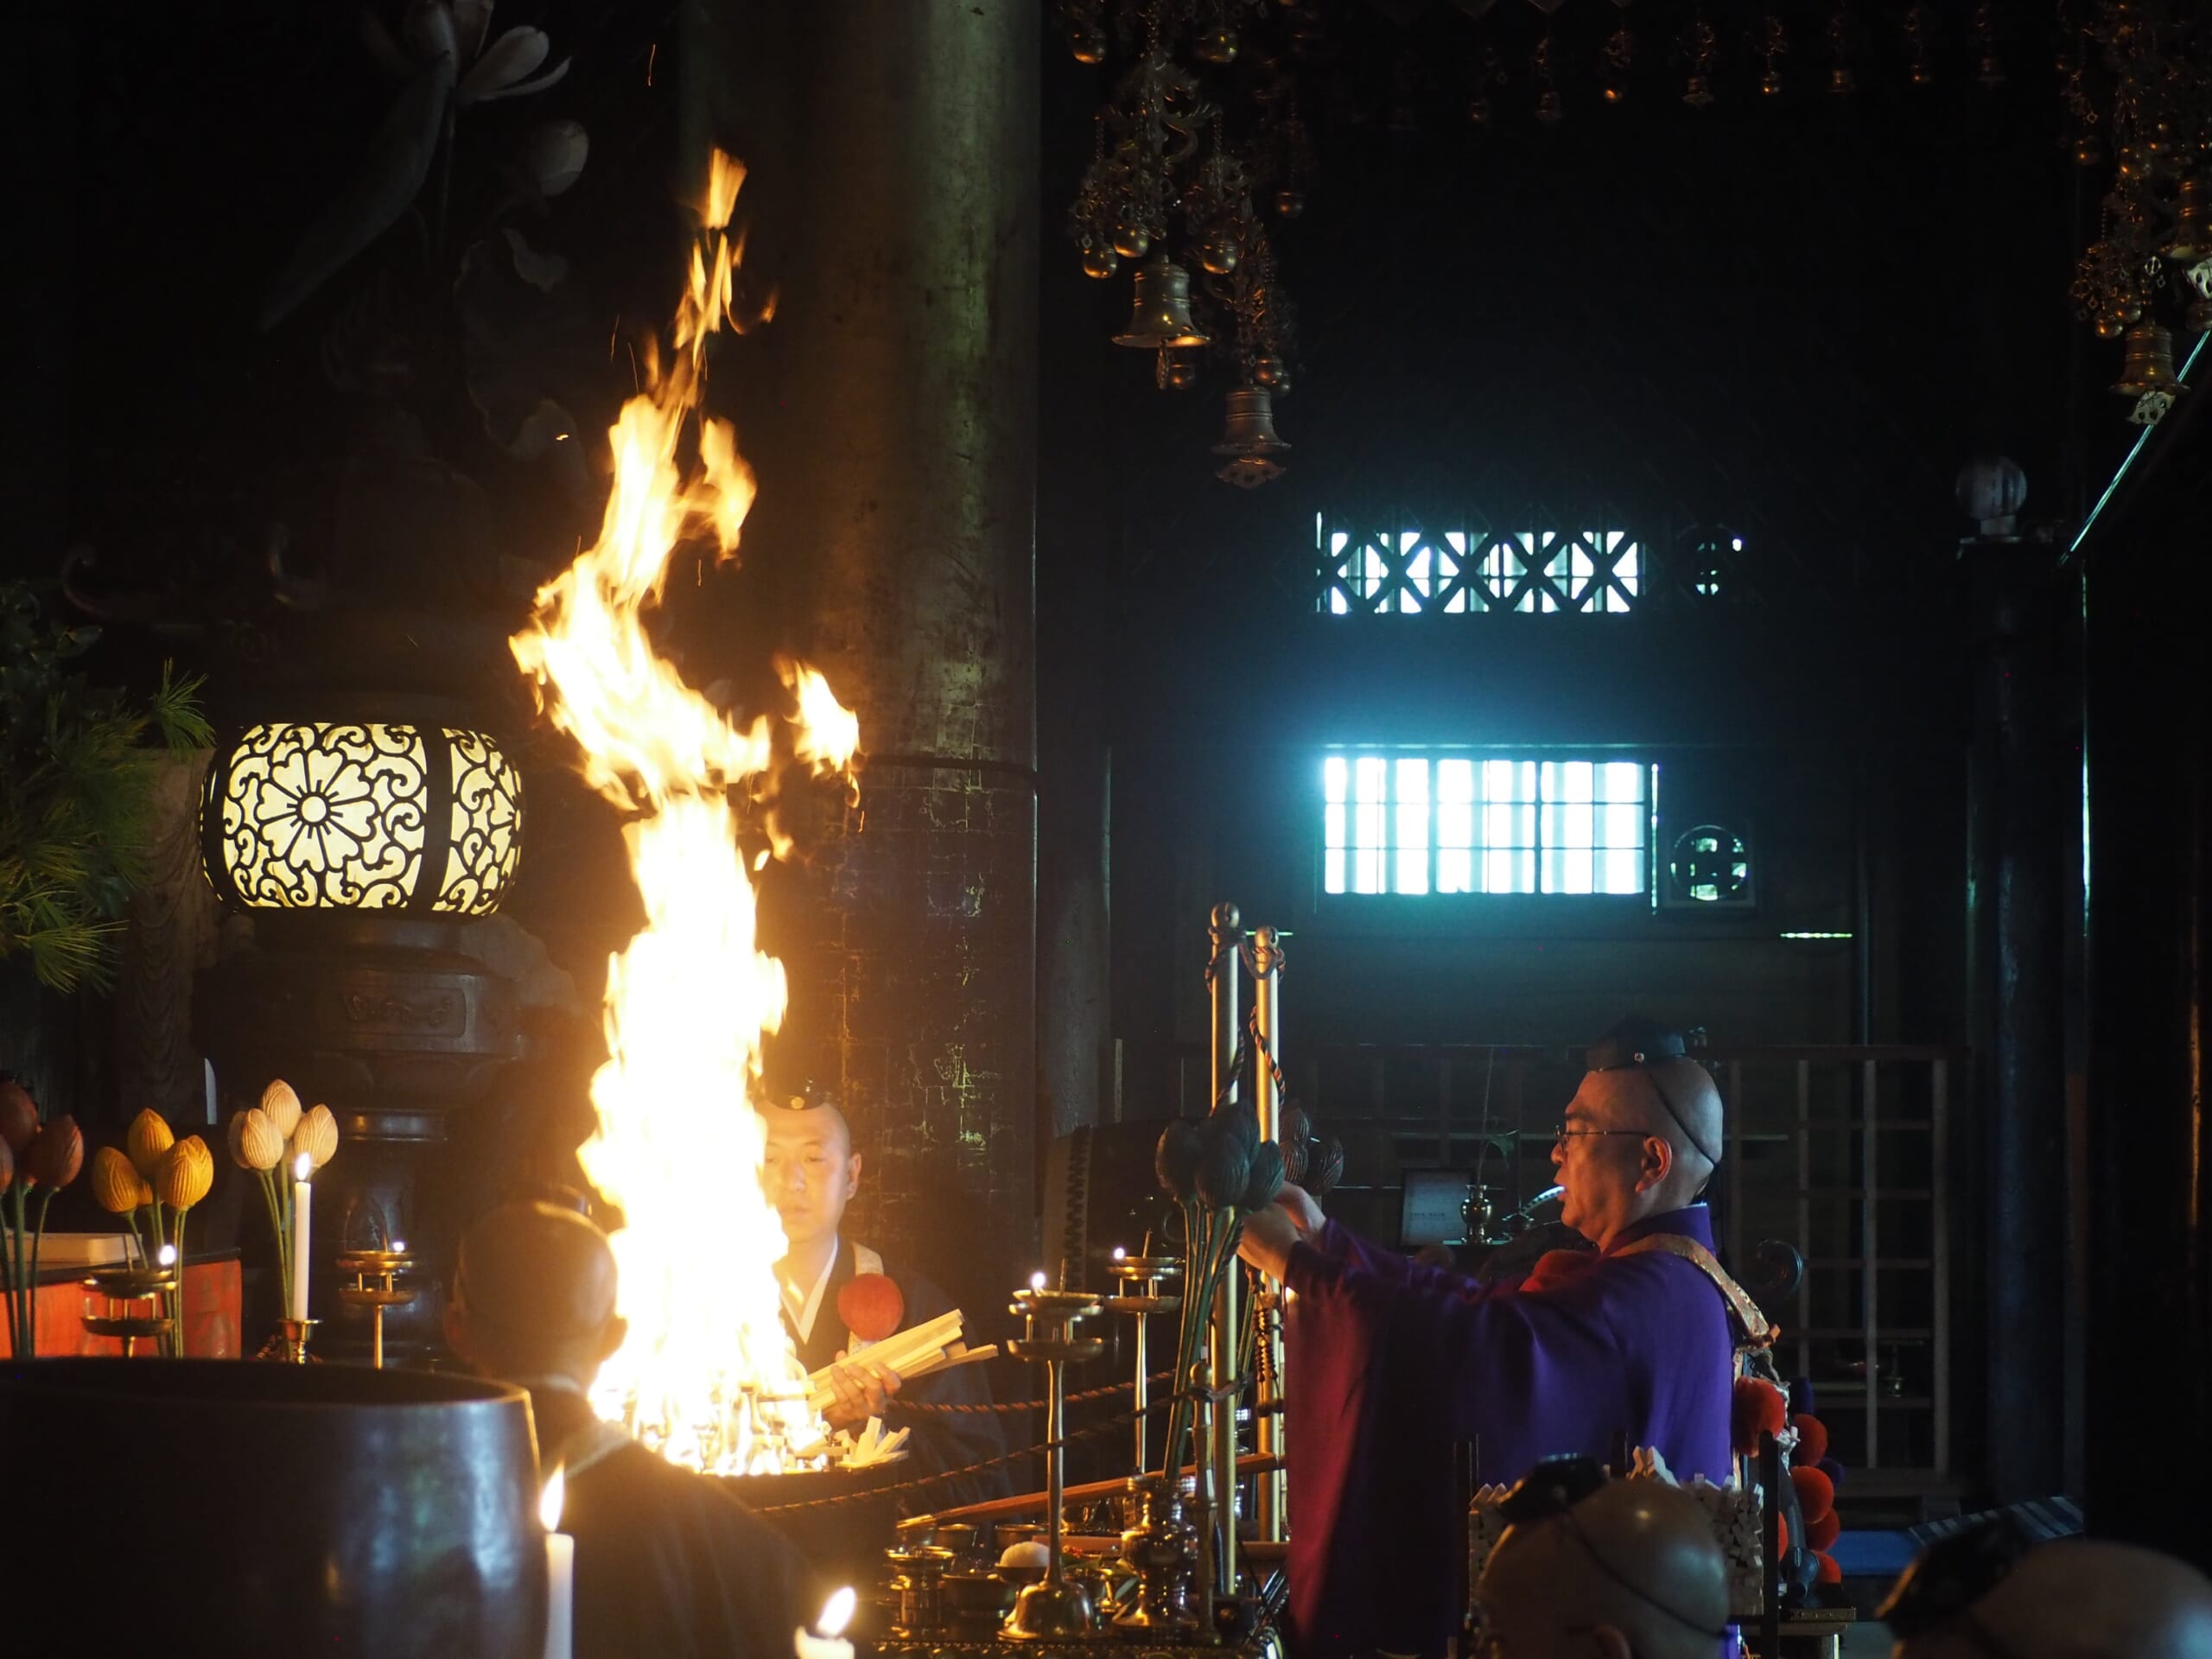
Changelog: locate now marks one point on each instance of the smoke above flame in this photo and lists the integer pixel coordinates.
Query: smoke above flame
(707, 1374)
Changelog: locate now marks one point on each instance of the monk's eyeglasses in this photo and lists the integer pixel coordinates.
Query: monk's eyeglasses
(1563, 1133)
(1550, 1492)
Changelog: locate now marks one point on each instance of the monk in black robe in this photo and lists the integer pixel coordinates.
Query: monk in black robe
(812, 1172)
(668, 1562)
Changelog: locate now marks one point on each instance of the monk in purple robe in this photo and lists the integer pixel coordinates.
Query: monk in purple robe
(1390, 1363)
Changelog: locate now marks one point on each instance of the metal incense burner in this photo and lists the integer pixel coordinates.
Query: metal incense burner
(1054, 1610)
(1141, 1298)
(384, 1267)
(127, 1303)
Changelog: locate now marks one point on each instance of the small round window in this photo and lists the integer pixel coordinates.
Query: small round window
(1711, 865)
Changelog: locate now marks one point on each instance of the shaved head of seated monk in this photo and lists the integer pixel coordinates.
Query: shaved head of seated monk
(1991, 1591)
(535, 1296)
(1591, 1568)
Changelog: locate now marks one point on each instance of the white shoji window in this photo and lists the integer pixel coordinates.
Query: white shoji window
(1413, 823)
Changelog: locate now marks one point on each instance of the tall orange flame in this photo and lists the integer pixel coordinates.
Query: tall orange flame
(707, 1373)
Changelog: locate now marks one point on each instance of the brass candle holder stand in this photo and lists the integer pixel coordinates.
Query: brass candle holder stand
(128, 1303)
(384, 1267)
(1054, 1610)
(293, 1334)
(1142, 1297)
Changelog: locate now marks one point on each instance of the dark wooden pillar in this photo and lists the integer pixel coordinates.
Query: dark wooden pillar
(890, 411)
(2016, 951)
(2149, 1347)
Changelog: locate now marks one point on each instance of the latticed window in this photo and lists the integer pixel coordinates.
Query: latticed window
(1412, 823)
(1407, 571)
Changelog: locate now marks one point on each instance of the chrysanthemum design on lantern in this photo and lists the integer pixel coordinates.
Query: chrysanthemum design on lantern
(329, 815)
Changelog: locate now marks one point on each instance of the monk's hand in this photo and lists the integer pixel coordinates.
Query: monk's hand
(1297, 1203)
(862, 1390)
(1266, 1242)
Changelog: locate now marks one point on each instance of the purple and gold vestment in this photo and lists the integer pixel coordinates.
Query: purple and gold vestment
(1390, 1363)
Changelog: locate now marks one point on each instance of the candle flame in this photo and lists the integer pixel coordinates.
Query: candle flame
(708, 1376)
(837, 1613)
(168, 1257)
(1037, 1280)
(301, 1165)
(553, 1498)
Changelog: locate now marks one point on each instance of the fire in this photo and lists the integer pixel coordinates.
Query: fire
(707, 1374)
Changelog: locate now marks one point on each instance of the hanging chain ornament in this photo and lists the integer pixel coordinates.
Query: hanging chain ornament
(1988, 70)
(1919, 27)
(1702, 48)
(2152, 257)
(1166, 188)
(1614, 59)
(1774, 45)
(1550, 111)
(1842, 43)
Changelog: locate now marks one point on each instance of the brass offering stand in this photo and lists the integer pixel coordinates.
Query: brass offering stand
(120, 1290)
(1139, 1299)
(384, 1267)
(1054, 1610)
(1163, 1551)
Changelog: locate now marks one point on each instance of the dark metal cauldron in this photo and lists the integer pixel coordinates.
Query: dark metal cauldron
(210, 1506)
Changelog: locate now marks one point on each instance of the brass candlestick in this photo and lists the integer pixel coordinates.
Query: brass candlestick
(1054, 1610)
(1142, 1297)
(120, 1291)
(384, 1267)
(294, 1333)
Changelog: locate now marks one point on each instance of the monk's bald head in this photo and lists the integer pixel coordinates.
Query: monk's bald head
(2081, 1599)
(1633, 1566)
(535, 1294)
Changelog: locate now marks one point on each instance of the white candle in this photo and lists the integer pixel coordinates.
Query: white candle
(560, 1571)
(303, 1196)
(836, 1613)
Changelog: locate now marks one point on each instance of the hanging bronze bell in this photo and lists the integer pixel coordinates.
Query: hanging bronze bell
(1842, 82)
(1251, 429)
(1179, 371)
(1087, 43)
(1771, 84)
(1289, 204)
(1132, 241)
(1269, 371)
(2191, 237)
(1162, 315)
(1218, 252)
(1100, 263)
(1699, 92)
(2149, 365)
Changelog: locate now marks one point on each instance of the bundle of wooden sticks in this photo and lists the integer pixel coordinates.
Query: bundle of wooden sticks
(931, 1346)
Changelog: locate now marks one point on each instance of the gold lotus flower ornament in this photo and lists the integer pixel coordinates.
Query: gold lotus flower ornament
(148, 1139)
(186, 1172)
(281, 1106)
(317, 1136)
(115, 1182)
(255, 1143)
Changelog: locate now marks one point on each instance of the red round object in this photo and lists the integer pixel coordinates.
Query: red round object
(1812, 1437)
(1756, 1408)
(1815, 1494)
(1829, 1572)
(1782, 1534)
(1823, 1532)
(871, 1306)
